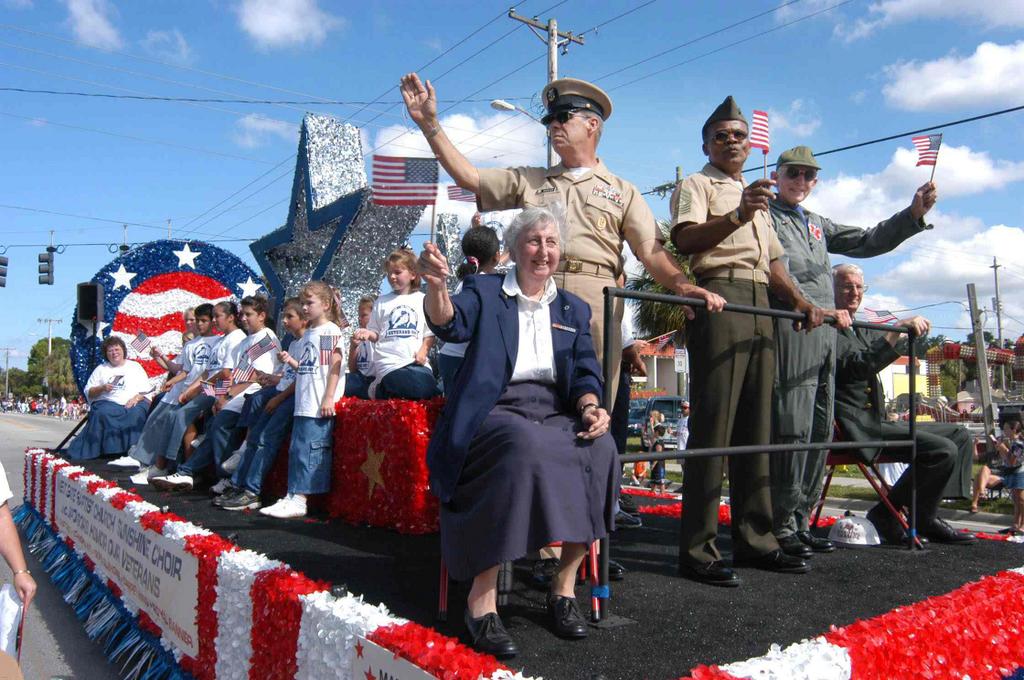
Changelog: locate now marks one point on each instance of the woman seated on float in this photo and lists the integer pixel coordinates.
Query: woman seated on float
(117, 405)
(520, 457)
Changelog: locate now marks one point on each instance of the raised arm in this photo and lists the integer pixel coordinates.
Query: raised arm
(421, 102)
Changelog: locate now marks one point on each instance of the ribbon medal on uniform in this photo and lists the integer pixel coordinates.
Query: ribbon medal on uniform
(815, 230)
(563, 328)
(610, 193)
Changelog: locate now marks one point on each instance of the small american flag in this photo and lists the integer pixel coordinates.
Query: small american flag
(927, 148)
(759, 133)
(140, 343)
(879, 316)
(216, 389)
(398, 180)
(243, 373)
(457, 193)
(260, 348)
(327, 345)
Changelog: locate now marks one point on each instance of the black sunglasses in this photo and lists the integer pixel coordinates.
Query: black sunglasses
(562, 117)
(809, 173)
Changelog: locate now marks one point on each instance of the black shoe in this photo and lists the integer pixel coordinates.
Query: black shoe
(712, 573)
(889, 530)
(543, 571)
(616, 572)
(624, 520)
(231, 493)
(488, 635)
(627, 504)
(794, 547)
(939, 531)
(818, 545)
(776, 561)
(566, 620)
(243, 500)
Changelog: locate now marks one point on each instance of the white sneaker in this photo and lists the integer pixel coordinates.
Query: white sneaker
(221, 486)
(288, 507)
(173, 482)
(232, 463)
(142, 477)
(125, 462)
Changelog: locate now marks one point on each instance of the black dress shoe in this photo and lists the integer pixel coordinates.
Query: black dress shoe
(488, 635)
(818, 545)
(888, 528)
(939, 531)
(616, 572)
(776, 561)
(793, 546)
(712, 573)
(566, 620)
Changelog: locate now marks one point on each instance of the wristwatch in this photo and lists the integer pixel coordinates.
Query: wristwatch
(735, 218)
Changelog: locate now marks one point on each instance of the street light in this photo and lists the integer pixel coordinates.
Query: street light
(502, 105)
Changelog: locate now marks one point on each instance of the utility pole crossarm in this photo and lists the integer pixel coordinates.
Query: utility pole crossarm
(536, 23)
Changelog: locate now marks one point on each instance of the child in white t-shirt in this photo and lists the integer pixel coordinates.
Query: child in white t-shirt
(400, 335)
(317, 358)
(360, 356)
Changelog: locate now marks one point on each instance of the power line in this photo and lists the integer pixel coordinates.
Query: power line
(594, 29)
(90, 218)
(211, 100)
(668, 186)
(107, 245)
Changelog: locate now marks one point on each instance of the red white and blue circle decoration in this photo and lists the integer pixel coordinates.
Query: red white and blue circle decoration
(147, 288)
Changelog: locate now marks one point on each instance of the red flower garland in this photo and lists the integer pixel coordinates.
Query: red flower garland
(95, 485)
(970, 631)
(114, 588)
(43, 487)
(120, 500)
(276, 618)
(60, 465)
(206, 548)
(708, 673)
(676, 510)
(386, 439)
(154, 521)
(147, 624)
(440, 656)
(650, 493)
(75, 476)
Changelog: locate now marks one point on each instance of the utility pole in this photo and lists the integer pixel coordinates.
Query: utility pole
(49, 348)
(998, 304)
(988, 410)
(7, 369)
(553, 34)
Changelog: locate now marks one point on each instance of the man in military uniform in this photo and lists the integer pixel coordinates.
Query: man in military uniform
(860, 410)
(804, 381)
(600, 209)
(723, 225)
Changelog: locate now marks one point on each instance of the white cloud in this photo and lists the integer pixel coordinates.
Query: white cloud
(993, 75)
(170, 45)
(91, 22)
(797, 119)
(859, 96)
(1002, 14)
(255, 130)
(434, 45)
(286, 23)
(501, 139)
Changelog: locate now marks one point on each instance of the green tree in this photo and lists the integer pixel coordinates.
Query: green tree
(658, 318)
(55, 367)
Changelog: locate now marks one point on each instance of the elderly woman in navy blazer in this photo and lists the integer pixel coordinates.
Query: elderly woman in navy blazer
(520, 457)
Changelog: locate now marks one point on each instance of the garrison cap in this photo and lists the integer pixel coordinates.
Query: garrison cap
(570, 93)
(727, 110)
(798, 155)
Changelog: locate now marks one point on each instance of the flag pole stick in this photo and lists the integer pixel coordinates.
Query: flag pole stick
(764, 158)
(433, 211)
(932, 178)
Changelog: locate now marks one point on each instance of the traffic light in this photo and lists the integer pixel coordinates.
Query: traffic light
(3, 272)
(46, 266)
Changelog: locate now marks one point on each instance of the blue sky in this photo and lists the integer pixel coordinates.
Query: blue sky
(847, 74)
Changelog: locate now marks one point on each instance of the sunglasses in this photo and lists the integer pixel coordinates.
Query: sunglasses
(810, 174)
(562, 117)
(724, 136)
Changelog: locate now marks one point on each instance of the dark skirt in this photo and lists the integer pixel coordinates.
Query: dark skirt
(111, 429)
(527, 482)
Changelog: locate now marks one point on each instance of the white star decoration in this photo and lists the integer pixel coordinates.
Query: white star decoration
(122, 277)
(249, 287)
(187, 257)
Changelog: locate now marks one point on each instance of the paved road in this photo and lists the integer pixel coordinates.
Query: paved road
(55, 645)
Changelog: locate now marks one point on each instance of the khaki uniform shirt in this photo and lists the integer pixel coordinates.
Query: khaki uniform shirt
(601, 210)
(711, 193)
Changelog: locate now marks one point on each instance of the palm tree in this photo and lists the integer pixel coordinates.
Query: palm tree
(658, 318)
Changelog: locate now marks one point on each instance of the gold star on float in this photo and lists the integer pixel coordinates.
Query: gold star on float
(371, 468)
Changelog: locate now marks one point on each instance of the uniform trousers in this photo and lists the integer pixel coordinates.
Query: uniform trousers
(938, 446)
(802, 413)
(732, 363)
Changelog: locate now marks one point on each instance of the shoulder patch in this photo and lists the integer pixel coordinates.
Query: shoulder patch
(684, 199)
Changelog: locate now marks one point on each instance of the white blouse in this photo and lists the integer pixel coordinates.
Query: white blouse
(535, 359)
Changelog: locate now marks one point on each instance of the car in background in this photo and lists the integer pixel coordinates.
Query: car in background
(672, 409)
(637, 411)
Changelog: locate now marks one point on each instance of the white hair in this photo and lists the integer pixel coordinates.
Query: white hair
(529, 218)
(846, 268)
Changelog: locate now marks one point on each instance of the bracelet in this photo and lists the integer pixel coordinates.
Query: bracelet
(22, 571)
(432, 132)
(586, 406)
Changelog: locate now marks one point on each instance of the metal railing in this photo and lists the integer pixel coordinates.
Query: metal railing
(601, 592)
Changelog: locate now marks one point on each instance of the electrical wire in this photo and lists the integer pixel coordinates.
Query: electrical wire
(639, 7)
